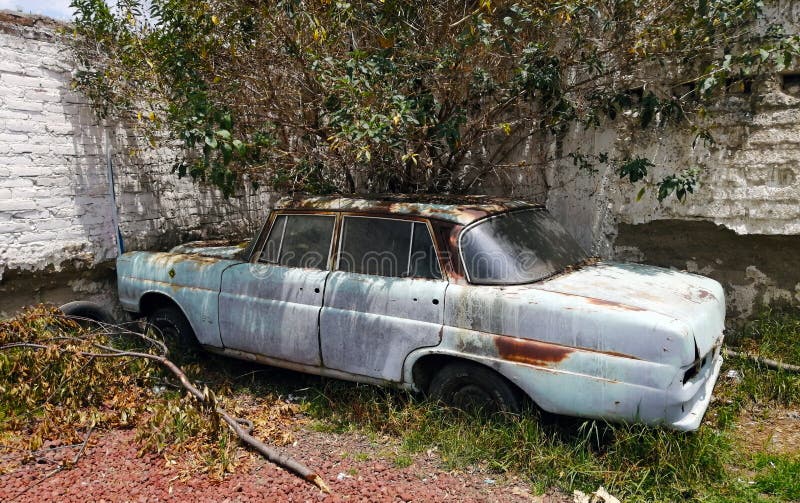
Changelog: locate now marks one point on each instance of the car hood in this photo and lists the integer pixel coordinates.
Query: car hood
(696, 301)
(216, 249)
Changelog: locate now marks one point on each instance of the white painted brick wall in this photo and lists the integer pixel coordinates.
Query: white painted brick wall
(749, 183)
(55, 208)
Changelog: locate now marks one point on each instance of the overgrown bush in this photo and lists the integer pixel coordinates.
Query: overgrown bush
(413, 96)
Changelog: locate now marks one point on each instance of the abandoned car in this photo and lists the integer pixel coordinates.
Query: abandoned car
(479, 302)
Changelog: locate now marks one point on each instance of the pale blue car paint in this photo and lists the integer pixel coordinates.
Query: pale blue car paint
(611, 341)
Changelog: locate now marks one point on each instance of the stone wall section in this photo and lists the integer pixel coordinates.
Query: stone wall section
(56, 210)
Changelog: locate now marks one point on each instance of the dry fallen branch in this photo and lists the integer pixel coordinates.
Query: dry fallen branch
(241, 427)
(773, 364)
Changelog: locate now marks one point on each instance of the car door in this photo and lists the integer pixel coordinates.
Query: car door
(385, 298)
(270, 306)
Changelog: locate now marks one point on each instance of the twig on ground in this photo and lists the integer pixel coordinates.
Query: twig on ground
(241, 427)
(83, 446)
(61, 466)
(773, 364)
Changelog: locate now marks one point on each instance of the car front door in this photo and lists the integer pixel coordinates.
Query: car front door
(270, 306)
(385, 298)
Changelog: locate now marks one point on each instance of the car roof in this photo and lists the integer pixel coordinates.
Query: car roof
(462, 209)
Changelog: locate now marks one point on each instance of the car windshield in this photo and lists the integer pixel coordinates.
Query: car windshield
(518, 247)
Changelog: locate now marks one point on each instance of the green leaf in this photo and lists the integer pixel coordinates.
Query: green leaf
(240, 147)
(635, 169)
(224, 134)
(708, 84)
(227, 152)
(641, 194)
(211, 141)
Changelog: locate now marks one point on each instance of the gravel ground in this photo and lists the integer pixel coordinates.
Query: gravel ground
(356, 469)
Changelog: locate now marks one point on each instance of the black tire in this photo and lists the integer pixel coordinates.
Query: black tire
(474, 388)
(176, 331)
(82, 310)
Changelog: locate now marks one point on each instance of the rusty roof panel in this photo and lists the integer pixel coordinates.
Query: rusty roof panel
(458, 209)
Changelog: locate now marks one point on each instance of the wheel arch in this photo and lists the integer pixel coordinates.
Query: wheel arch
(198, 306)
(154, 299)
(422, 366)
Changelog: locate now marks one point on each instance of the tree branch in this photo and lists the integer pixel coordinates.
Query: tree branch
(773, 364)
(240, 427)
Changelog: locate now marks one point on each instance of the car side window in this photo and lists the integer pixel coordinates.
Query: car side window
(299, 241)
(387, 247)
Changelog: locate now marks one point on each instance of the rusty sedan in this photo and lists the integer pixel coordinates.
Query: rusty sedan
(479, 302)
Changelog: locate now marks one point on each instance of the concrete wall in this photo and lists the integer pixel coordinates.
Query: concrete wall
(57, 232)
(741, 227)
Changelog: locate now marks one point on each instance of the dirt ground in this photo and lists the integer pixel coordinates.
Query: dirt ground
(771, 430)
(355, 468)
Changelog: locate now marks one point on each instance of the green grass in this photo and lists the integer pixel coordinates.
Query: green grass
(634, 462)
(779, 476)
(773, 334)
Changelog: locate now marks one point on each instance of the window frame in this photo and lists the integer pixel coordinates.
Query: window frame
(271, 223)
(413, 221)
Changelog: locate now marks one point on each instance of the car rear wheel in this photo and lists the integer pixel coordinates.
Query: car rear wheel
(85, 313)
(474, 388)
(176, 331)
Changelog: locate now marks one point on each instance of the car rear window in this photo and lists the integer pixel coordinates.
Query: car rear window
(388, 247)
(299, 241)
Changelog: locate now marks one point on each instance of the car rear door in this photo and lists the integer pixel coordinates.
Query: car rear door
(385, 298)
(271, 306)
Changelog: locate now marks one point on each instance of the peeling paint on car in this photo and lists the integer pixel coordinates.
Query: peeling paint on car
(616, 341)
(457, 209)
(218, 249)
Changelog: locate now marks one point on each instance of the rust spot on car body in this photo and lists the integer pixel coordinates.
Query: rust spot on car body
(615, 305)
(530, 352)
(599, 302)
(461, 209)
(705, 294)
(540, 353)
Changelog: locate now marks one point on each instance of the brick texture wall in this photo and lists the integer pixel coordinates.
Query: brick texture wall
(56, 212)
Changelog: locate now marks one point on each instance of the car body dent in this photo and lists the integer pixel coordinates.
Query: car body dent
(370, 323)
(620, 342)
(191, 281)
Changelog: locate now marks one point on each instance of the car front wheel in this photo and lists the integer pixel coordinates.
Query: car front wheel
(176, 331)
(474, 388)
